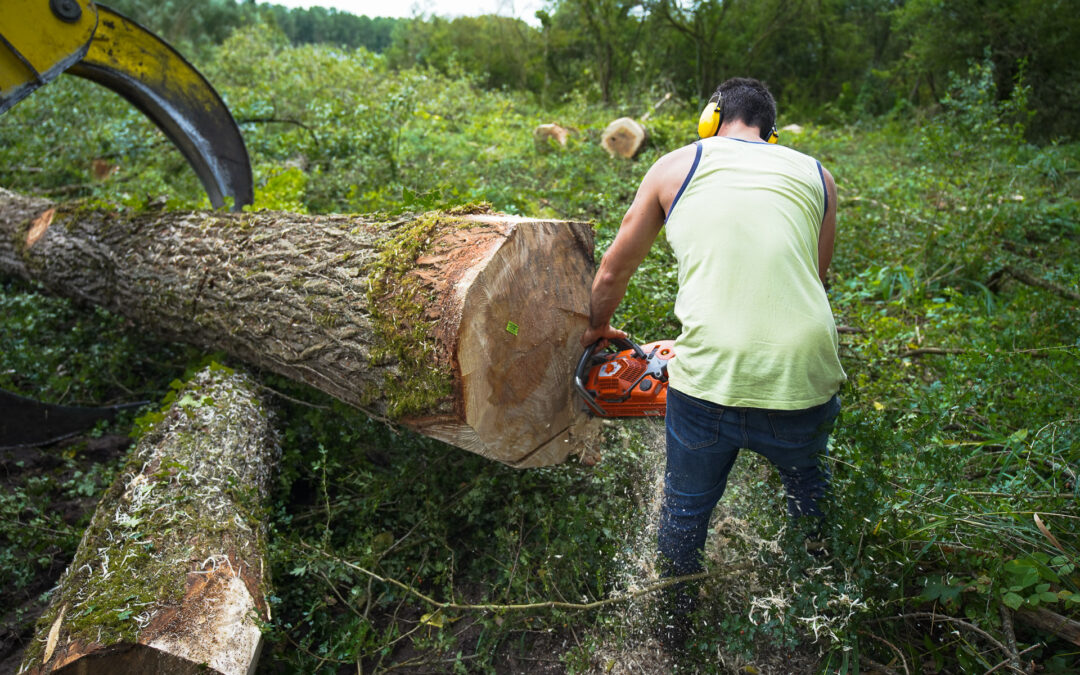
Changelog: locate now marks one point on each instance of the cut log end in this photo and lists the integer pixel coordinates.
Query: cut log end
(548, 137)
(523, 309)
(624, 137)
(169, 576)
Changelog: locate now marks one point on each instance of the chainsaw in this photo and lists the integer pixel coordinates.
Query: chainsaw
(629, 382)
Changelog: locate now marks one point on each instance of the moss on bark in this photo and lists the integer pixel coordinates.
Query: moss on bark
(189, 498)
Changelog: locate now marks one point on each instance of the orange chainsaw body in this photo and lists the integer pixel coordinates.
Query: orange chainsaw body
(630, 382)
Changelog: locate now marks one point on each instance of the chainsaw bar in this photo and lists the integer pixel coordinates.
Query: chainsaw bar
(629, 382)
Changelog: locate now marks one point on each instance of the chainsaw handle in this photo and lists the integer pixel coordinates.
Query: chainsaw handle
(620, 343)
(586, 358)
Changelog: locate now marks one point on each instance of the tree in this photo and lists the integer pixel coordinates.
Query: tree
(463, 326)
(501, 52)
(1037, 39)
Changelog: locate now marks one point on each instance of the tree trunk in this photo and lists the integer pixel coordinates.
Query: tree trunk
(170, 573)
(463, 326)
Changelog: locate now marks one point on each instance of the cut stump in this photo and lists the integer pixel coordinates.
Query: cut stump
(549, 137)
(624, 137)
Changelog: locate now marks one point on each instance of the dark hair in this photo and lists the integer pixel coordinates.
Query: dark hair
(748, 100)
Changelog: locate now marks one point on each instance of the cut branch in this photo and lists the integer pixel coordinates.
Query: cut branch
(462, 326)
(1038, 282)
(930, 350)
(1051, 622)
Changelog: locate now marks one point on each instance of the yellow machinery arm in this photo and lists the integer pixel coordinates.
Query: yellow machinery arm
(39, 39)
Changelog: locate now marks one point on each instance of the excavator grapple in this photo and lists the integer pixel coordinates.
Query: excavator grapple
(40, 39)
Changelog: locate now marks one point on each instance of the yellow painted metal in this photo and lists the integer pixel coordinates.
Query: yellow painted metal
(144, 69)
(39, 39)
(36, 45)
(124, 46)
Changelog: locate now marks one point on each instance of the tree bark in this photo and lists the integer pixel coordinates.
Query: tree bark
(170, 574)
(1053, 623)
(463, 326)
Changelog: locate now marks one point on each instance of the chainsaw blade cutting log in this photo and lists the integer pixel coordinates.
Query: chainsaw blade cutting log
(629, 382)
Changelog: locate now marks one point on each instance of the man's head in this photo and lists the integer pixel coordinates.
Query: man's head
(748, 101)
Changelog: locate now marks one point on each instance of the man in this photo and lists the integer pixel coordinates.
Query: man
(752, 226)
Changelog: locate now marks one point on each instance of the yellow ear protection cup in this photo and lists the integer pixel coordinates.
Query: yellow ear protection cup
(713, 116)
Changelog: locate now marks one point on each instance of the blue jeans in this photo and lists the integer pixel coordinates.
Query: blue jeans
(703, 440)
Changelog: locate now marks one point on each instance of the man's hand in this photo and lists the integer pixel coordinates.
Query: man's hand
(605, 332)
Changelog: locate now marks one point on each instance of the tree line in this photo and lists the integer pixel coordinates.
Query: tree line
(837, 60)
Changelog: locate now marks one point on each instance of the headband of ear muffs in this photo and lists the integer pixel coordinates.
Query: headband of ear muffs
(713, 116)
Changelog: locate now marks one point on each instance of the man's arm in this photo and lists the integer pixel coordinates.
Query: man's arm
(828, 227)
(635, 237)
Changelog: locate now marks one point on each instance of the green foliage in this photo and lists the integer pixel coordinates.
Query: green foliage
(498, 52)
(956, 257)
(321, 25)
(450, 524)
(56, 352)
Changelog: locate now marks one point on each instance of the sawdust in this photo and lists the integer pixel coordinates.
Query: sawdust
(632, 647)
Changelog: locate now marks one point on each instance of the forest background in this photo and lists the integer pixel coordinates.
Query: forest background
(951, 129)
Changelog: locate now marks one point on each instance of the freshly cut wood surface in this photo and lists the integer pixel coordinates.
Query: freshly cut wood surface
(624, 137)
(170, 575)
(548, 137)
(463, 326)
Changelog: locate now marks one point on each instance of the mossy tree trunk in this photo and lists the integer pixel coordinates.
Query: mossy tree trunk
(463, 326)
(170, 573)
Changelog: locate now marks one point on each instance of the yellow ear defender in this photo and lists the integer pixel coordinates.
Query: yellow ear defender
(713, 116)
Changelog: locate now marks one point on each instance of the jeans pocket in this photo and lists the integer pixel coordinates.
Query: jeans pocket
(693, 425)
(803, 426)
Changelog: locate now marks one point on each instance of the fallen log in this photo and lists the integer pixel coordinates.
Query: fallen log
(169, 575)
(624, 137)
(463, 326)
(549, 137)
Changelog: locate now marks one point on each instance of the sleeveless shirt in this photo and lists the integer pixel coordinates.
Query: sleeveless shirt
(757, 329)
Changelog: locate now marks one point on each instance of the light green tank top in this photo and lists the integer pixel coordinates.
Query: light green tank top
(757, 329)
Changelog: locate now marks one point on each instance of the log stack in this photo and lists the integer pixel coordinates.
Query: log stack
(463, 325)
(170, 575)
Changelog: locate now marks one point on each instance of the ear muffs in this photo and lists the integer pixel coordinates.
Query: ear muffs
(712, 117)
